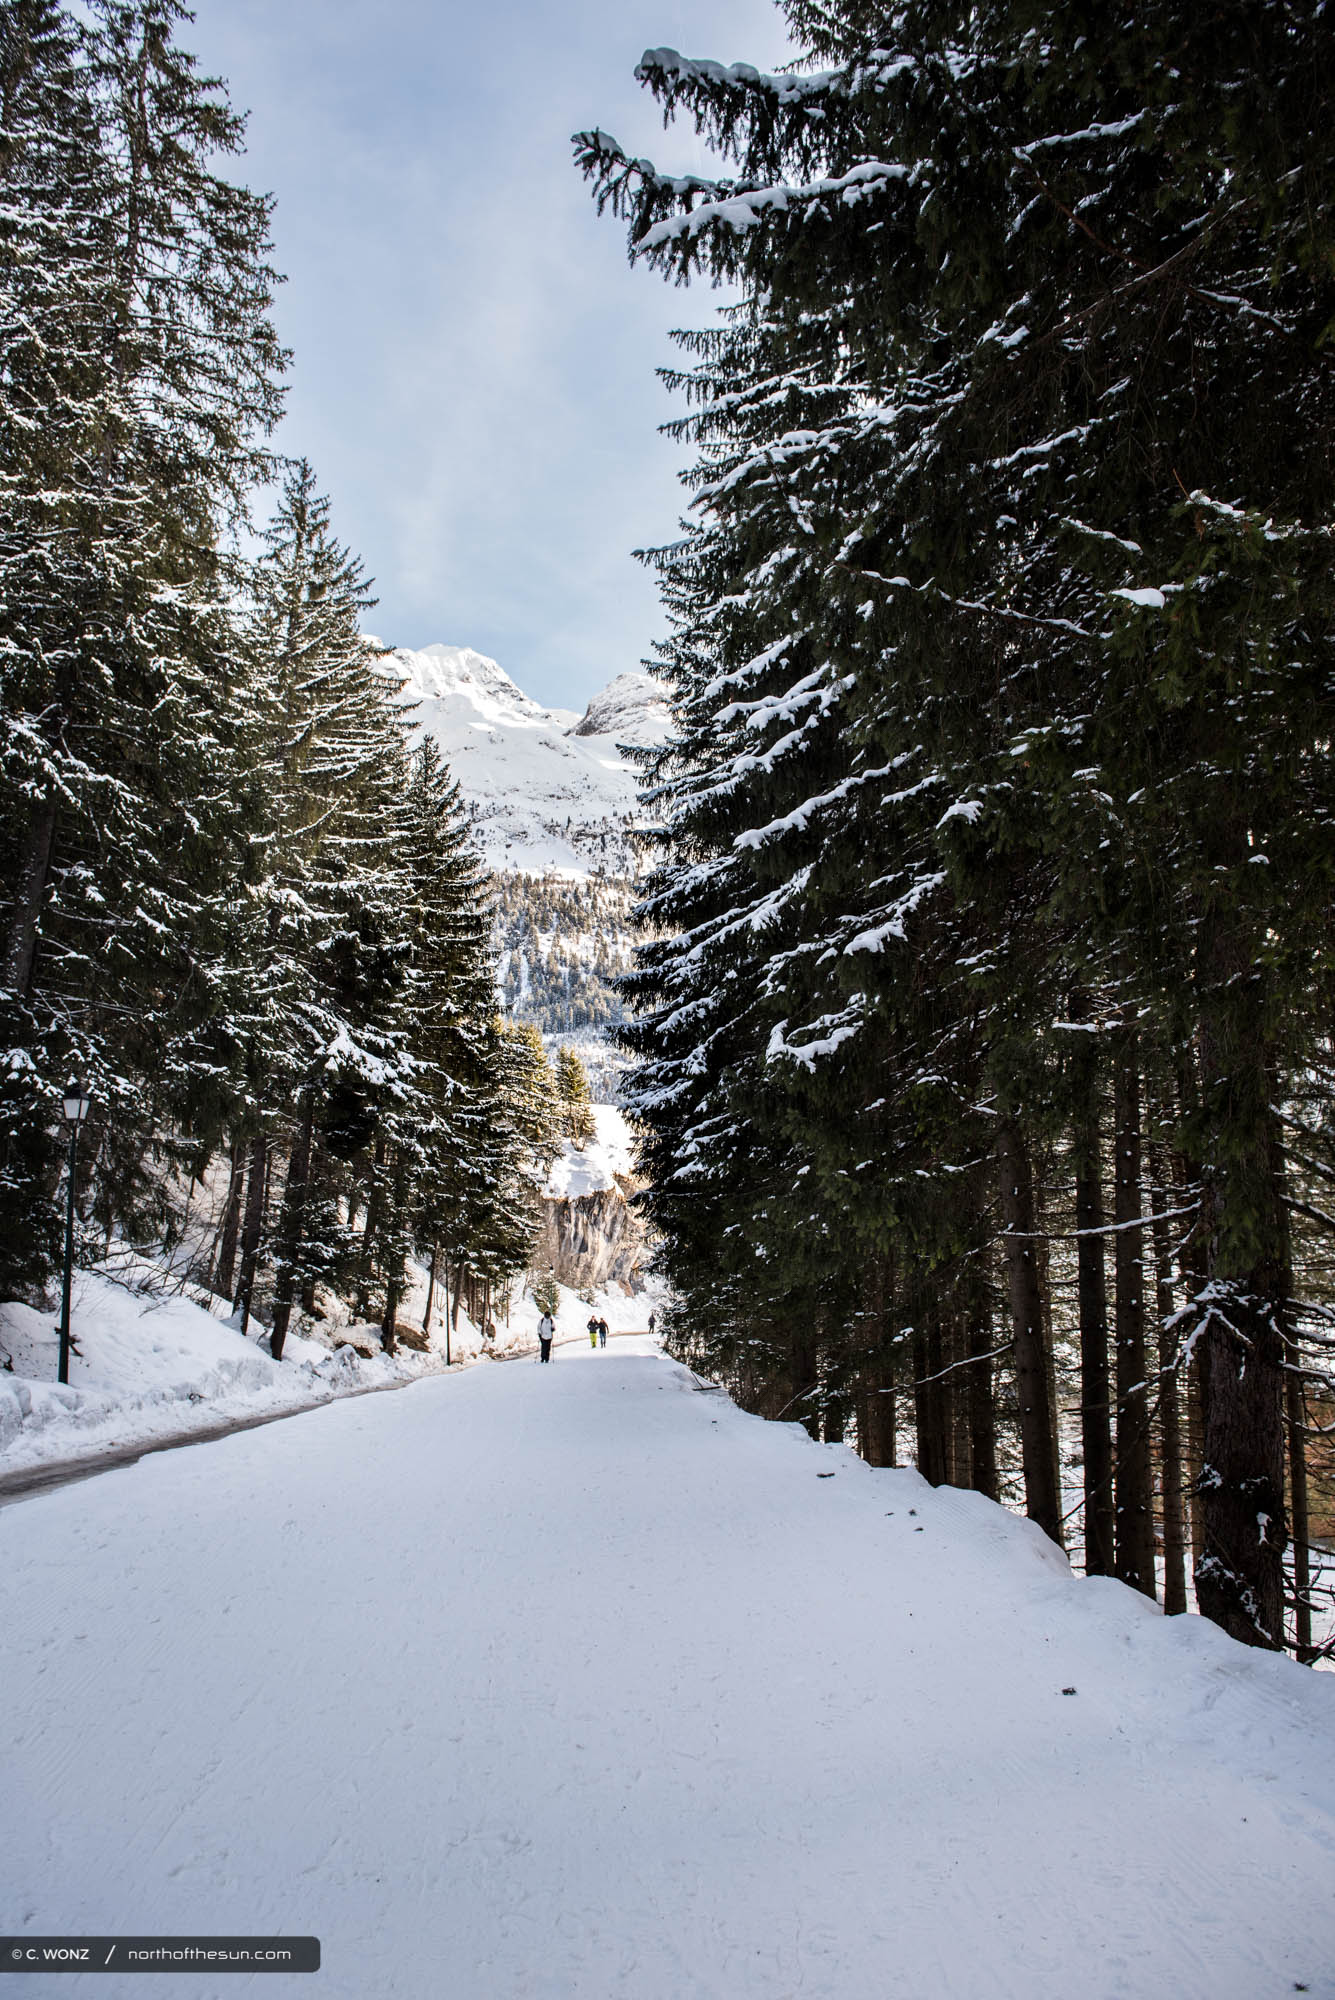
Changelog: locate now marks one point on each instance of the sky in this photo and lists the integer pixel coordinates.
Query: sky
(473, 375)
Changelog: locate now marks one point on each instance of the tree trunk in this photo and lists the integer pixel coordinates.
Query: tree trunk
(1192, 1262)
(1242, 1318)
(982, 1410)
(224, 1275)
(308, 1277)
(802, 1378)
(430, 1289)
(1092, 1289)
(257, 1178)
(924, 1409)
(1302, 1571)
(1170, 1404)
(1037, 1416)
(396, 1254)
(834, 1419)
(957, 1384)
(1135, 1475)
(375, 1202)
(292, 1227)
(1043, 1273)
(876, 1420)
(940, 1403)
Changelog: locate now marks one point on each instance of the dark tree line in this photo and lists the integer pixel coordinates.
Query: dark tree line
(984, 1010)
(238, 902)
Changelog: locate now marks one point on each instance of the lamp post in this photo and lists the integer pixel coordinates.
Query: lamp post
(77, 1105)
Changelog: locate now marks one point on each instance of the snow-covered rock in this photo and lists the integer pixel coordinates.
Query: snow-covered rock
(632, 709)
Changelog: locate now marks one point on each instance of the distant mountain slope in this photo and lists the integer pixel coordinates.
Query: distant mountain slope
(553, 801)
(562, 944)
(550, 790)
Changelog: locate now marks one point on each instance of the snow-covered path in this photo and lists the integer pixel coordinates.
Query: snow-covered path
(575, 1681)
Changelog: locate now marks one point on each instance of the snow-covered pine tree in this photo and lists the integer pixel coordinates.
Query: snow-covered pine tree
(141, 374)
(323, 1043)
(464, 1190)
(1081, 296)
(531, 1090)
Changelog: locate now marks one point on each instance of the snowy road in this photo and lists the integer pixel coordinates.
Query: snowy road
(575, 1681)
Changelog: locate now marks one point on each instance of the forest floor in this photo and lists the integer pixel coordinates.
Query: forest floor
(577, 1681)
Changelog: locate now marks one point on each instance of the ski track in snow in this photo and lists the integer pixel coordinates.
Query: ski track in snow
(575, 1681)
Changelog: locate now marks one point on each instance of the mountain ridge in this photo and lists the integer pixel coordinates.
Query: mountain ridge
(549, 789)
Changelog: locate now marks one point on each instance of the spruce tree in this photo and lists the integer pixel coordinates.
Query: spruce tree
(325, 1041)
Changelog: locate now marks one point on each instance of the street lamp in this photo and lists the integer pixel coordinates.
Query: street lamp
(77, 1106)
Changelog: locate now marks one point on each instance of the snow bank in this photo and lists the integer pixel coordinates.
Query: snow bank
(153, 1366)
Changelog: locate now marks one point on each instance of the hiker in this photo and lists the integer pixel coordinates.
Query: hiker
(602, 1333)
(546, 1332)
(593, 1329)
(653, 1320)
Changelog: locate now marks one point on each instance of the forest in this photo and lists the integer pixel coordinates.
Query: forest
(241, 907)
(563, 945)
(983, 1006)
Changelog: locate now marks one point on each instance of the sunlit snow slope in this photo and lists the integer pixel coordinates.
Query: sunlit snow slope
(549, 789)
(576, 1683)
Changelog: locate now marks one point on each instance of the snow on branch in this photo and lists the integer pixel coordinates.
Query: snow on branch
(828, 1034)
(670, 75)
(744, 209)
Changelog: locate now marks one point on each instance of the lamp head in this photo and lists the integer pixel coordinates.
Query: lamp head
(77, 1102)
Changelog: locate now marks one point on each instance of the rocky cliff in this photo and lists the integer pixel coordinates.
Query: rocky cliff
(590, 1240)
(591, 1235)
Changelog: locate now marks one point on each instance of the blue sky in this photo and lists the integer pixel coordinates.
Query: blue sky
(474, 358)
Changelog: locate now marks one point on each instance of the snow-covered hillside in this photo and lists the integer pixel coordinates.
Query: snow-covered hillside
(550, 789)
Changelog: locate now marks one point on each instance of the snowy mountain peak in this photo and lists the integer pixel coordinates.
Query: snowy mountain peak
(444, 673)
(549, 788)
(632, 709)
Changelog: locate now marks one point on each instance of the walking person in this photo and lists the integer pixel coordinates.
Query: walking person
(546, 1334)
(593, 1329)
(602, 1333)
(653, 1321)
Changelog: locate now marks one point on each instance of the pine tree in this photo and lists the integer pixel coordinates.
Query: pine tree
(466, 1191)
(325, 1040)
(574, 1097)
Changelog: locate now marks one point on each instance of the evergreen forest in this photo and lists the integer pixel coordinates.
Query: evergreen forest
(240, 906)
(563, 945)
(983, 1011)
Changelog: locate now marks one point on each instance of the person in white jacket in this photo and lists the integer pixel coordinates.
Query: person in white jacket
(546, 1334)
